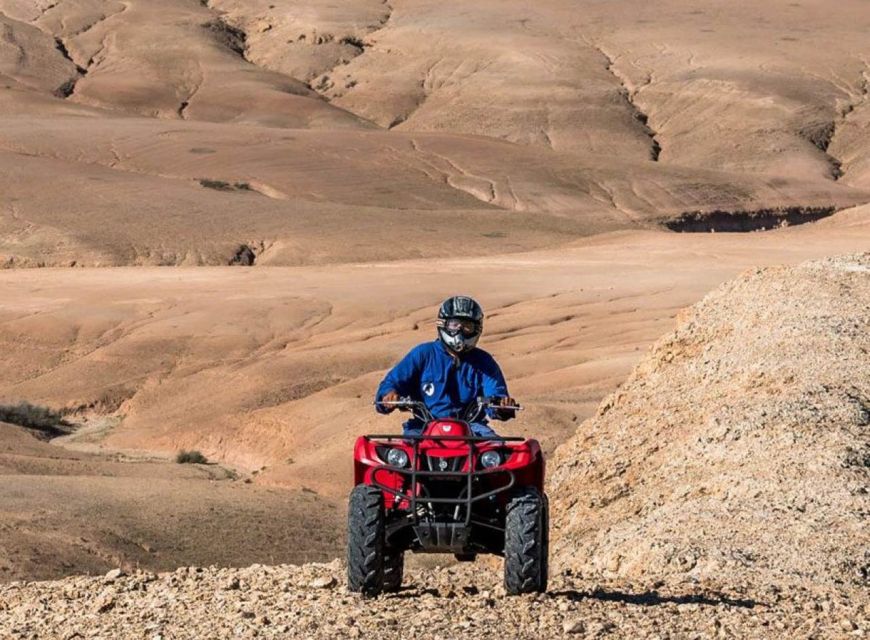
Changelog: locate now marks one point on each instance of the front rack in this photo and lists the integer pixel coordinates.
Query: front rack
(414, 473)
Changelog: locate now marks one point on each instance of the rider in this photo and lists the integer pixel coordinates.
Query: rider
(447, 374)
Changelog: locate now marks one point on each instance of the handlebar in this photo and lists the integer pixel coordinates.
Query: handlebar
(469, 414)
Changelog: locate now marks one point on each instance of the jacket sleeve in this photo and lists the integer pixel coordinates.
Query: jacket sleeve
(402, 378)
(494, 386)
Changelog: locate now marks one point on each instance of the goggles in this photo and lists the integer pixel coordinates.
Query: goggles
(454, 326)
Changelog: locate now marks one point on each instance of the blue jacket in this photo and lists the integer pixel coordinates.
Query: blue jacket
(429, 373)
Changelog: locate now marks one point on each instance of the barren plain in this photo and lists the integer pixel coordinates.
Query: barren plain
(222, 220)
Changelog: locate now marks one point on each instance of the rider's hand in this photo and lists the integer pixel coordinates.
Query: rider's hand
(389, 396)
(505, 401)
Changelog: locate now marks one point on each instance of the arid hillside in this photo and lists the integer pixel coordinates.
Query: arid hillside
(276, 367)
(169, 132)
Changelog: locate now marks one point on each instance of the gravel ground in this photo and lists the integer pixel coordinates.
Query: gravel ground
(310, 601)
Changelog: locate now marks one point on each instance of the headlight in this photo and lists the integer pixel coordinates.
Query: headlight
(397, 458)
(490, 459)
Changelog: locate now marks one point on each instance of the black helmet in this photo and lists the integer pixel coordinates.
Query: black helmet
(460, 323)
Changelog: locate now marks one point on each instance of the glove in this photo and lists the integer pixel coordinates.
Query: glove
(505, 414)
(389, 396)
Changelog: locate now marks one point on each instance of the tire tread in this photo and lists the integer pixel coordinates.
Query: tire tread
(526, 543)
(365, 540)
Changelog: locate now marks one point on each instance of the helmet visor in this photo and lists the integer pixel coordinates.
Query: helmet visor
(455, 326)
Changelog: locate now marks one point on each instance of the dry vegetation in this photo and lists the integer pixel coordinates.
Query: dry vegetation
(190, 457)
(31, 416)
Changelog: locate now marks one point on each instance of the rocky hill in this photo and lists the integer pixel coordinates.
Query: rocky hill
(721, 492)
(737, 452)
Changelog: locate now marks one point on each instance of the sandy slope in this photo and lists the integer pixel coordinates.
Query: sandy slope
(143, 191)
(577, 76)
(254, 367)
(67, 512)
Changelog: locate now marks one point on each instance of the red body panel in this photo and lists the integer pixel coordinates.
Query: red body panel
(524, 459)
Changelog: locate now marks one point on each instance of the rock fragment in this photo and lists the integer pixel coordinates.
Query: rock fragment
(113, 575)
(323, 582)
(576, 625)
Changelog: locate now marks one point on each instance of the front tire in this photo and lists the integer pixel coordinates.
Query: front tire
(365, 540)
(526, 543)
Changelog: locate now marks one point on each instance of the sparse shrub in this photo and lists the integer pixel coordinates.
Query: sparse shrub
(353, 41)
(34, 416)
(222, 185)
(218, 185)
(190, 457)
(229, 36)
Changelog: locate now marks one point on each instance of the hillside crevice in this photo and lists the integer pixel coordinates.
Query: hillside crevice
(68, 87)
(324, 83)
(836, 126)
(630, 97)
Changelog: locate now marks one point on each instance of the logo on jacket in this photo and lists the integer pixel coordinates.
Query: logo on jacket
(429, 388)
(442, 464)
(447, 428)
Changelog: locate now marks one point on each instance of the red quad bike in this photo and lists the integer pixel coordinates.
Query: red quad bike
(446, 491)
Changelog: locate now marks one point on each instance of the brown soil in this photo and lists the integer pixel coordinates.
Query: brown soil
(66, 512)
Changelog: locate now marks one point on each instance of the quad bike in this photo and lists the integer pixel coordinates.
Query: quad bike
(447, 491)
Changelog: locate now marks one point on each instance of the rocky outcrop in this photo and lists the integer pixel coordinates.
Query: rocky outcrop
(736, 455)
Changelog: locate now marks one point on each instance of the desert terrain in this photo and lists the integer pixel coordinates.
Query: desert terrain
(739, 511)
(222, 221)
